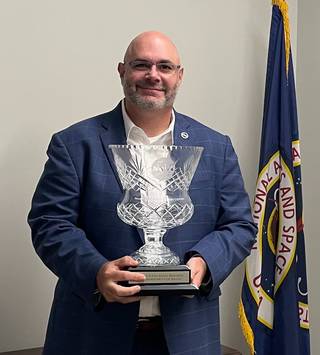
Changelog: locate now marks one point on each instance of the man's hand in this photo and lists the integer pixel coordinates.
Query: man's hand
(198, 269)
(114, 271)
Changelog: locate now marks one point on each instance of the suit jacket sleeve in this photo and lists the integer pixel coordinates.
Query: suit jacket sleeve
(53, 219)
(234, 234)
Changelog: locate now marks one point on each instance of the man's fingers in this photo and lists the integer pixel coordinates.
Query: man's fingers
(125, 261)
(198, 270)
(111, 273)
(116, 291)
(127, 291)
(128, 276)
(122, 294)
(197, 279)
(193, 272)
(192, 269)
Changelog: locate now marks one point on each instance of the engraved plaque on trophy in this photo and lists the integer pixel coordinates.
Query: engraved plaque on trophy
(155, 180)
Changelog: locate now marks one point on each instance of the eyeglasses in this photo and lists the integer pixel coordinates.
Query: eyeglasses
(146, 66)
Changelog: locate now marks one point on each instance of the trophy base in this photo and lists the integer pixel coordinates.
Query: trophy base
(165, 279)
(155, 254)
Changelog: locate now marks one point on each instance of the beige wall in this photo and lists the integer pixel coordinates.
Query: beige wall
(308, 84)
(58, 63)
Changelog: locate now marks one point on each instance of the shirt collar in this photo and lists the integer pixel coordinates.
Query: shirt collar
(133, 131)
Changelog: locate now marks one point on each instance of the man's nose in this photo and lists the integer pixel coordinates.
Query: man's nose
(153, 73)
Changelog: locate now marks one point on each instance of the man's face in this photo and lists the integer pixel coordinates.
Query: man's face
(146, 82)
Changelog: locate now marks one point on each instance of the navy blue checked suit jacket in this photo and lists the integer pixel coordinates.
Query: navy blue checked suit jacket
(75, 229)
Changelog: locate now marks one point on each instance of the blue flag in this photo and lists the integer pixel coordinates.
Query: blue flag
(274, 309)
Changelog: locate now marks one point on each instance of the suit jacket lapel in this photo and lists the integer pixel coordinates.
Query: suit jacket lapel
(113, 133)
(183, 134)
(186, 135)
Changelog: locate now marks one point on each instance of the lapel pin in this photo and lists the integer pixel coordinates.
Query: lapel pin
(184, 135)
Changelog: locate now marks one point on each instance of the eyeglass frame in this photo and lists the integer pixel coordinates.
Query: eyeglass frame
(150, 64)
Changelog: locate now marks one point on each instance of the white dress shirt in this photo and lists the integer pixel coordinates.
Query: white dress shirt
(149, 305)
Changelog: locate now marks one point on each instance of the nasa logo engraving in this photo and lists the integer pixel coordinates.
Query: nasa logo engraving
(162, 169)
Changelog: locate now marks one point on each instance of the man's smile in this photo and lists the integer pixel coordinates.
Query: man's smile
(150, 90)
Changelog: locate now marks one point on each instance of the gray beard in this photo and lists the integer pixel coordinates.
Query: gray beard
(145, 103)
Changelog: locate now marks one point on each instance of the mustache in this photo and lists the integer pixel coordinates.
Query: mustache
(147, 85)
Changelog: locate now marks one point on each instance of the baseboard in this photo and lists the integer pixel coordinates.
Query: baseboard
(38, 351)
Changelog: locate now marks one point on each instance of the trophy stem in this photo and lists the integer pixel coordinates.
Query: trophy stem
(154, 252)
(154, 236)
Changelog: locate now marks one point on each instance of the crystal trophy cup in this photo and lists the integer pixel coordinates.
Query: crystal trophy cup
(155, 180)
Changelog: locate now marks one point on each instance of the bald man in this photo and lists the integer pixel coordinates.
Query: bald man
(77, 234)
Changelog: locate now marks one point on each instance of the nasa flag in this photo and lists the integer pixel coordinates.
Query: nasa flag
(273, 310)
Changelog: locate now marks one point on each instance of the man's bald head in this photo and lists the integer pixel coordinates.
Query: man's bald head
(151, 42)
(151, 72)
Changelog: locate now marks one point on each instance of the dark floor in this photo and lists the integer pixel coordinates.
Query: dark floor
(37, 351)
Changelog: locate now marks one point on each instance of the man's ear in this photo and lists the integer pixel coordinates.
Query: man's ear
(181, 71)
(121, 69)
